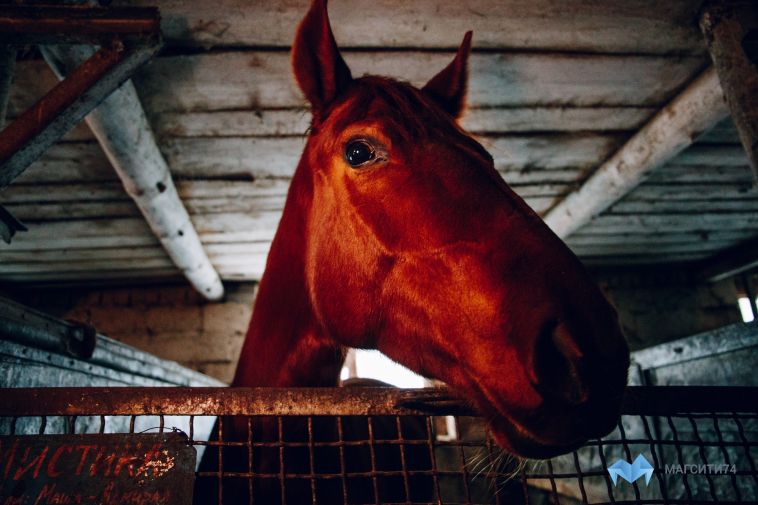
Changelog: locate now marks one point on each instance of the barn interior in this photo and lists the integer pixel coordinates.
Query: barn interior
(617, 122)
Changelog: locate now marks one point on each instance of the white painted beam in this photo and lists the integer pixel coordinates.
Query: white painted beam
(121, 128)
(696, 109)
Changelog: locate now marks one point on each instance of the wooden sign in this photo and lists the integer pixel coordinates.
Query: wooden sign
(124, 469)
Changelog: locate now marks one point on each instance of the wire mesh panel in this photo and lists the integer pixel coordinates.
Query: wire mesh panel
(375, 445)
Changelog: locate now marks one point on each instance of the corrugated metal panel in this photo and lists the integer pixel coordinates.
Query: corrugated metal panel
(35, 351)
(725, 356)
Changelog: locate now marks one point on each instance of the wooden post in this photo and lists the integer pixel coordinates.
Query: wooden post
(728, 25)
(122, 129)
(696, 109)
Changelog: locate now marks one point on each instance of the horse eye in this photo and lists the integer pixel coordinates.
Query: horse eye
(359, 152)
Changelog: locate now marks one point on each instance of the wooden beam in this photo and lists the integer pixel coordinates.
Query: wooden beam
(631, 26)
(122, 129)
(725, 25)
(733, 261)
(693, 111)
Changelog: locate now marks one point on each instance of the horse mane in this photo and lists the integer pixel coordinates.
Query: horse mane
(403, 109)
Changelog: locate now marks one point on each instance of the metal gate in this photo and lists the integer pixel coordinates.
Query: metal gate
(377, 445)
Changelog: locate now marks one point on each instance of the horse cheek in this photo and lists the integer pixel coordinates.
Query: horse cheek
(343, 294)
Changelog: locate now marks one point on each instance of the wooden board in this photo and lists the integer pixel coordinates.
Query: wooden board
(712, 154)
(703, 191)
(95, 276)
(673, 223)
(37, 203)
(723, 133)
(631, 26)
(673, 173)
(294, 122)
(255, 157)
(263, 80)
(683, 206)
(644, 259)
(623, 249)
(652, 239)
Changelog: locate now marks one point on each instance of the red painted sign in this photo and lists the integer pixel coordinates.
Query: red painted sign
(126, 469)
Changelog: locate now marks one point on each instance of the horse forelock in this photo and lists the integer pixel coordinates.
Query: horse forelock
(405, 112)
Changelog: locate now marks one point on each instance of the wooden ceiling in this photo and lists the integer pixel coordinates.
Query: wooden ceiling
(555, 90)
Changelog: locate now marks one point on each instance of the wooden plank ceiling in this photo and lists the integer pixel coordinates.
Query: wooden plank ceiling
(554, 91)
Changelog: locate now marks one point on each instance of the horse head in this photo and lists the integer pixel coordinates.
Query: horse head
(415, 245)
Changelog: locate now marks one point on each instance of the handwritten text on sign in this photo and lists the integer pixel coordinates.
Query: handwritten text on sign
(133, 469)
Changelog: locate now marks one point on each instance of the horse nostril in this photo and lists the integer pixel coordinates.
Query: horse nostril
(559, 366)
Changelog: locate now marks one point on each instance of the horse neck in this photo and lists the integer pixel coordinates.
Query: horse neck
(285, 345)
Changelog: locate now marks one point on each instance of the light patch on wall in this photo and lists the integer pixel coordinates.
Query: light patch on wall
(745, 309)
(375, 365)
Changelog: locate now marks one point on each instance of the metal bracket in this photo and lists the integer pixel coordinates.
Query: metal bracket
(128, 38)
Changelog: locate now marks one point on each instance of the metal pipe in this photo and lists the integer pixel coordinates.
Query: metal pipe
(77, 340)
(122, 129)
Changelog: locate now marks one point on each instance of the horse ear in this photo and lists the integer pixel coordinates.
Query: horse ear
(448, 88)
(319, 68)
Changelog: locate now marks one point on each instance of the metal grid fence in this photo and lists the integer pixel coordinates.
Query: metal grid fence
(376, 445)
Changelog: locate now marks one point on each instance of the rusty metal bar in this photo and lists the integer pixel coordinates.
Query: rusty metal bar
(24, 140)
(639, 400)
(727, 26)
(76, 24)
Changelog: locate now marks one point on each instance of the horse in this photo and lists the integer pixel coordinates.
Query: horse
(399, 234)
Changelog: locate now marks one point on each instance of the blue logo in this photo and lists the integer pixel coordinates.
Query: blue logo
(631, 473)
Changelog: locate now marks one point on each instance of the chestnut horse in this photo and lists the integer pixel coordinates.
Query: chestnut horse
(398, 234)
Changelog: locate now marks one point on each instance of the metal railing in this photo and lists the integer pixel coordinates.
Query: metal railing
(377, 445)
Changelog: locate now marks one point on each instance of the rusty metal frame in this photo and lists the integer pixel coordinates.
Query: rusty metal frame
(353, 401)
(666, 423)
(128, 37)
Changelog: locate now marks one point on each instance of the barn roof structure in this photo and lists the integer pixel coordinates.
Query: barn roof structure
(556, 90)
